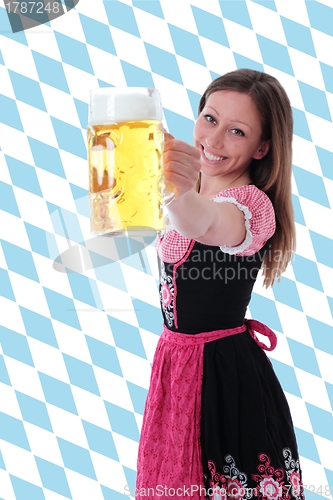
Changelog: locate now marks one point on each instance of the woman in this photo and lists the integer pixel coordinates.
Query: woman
(216, 420)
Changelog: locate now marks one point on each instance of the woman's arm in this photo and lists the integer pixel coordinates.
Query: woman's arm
(192, 215)
(211, 223)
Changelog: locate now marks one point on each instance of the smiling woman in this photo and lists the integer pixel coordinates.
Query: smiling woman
(216, 420)
(229, 133)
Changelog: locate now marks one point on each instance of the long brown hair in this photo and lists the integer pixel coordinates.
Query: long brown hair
(271, 174)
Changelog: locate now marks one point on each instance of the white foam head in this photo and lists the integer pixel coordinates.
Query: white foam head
(121, 104)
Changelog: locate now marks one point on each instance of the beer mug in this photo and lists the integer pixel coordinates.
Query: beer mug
(125, 148)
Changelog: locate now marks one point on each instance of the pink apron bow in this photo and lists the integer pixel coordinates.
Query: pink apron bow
(255, 326)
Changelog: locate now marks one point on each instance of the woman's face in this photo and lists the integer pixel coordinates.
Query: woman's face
(228, 133)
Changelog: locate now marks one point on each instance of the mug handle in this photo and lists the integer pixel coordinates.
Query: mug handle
(169, 192)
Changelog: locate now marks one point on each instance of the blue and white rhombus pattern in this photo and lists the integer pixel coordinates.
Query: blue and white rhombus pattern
(76, 347)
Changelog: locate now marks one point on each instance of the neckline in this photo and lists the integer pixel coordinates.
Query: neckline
(227, 189)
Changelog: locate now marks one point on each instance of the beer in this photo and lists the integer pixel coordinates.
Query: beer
(125, 161)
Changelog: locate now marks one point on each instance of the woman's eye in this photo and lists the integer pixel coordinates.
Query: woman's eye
(237, 131)
(210, 119)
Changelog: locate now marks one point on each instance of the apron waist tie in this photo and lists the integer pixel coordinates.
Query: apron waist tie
(256, 326)
(251, 325)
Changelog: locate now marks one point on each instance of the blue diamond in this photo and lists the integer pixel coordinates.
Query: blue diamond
(76, 458)
(179, 126)
(84, 289)
(34, 411)
(298, 36)
(122, 421)
(138, 395)
(100, 440)
(322, 335)
(306, 272)
(274, 54)
(12, 431)
(326, 162)
(23, 176)
(53, 477)
(74, 52)
(82, 111)
(46, 157)
(135, 76)
(315, 101)
(187, 45)
(321, 16)
(50, 71)
(9, 114)
(327, 72)
(4, 377)
(127, 337)
(298, 214)
(304, 357)
(150, 7)
(270, 4)
(210, 26)
(307, 445)
(323, 248)
(42, 242)
(264, 310)
(97, 34)
(7, 199)
(27, 90)
(301, 127)
(26, 491)
(6, 289)
(245, 62)
(121, 16)
(81, 374)
(69, 138)
(62, 308)
(149, 317)
(236, 11)
(38, 327)
(103, 355)
(311, 186)
(322, 421)
(58, 393)
(19, 260)
(286, 292)
(163, 63)
(15, 346)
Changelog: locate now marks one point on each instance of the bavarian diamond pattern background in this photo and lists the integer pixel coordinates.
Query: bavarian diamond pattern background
(78, 332)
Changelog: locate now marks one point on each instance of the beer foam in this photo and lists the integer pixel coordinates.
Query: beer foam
(116, 104)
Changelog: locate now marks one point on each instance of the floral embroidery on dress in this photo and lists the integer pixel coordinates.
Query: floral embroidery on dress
(293, 474)
(272, 484)
(167, 295)
(232, 483)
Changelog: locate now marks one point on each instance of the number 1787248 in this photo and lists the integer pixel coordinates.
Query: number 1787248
(32, 7)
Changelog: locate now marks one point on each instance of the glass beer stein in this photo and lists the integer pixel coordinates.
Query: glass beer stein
(125, 148)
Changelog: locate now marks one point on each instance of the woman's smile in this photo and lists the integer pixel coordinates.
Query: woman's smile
(212, 157)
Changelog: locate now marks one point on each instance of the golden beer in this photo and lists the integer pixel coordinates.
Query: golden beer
(125, 165)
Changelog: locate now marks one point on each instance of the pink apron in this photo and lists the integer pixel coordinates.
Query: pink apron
(169, 457)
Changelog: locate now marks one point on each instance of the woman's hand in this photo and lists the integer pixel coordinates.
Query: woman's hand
(181, 164)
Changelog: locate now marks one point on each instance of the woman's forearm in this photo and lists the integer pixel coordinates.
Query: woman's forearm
(192, 214)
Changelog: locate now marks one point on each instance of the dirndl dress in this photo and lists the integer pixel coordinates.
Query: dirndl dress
(216, 422)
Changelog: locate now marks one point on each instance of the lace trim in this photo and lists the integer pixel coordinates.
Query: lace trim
(247, 216)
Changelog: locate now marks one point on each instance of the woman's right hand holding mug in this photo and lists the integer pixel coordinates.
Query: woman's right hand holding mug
(181, 164)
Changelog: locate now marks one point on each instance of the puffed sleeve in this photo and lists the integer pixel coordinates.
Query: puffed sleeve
(259, 217)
